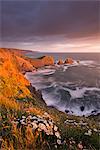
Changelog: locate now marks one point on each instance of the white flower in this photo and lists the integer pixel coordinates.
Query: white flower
(55, 146)
(57, 134)
(80, 146)
(34, 117)
(39, 116)
(46, 115)
(55, 128)
(35, 121)
(34, 125)
(30, 117)
(95, 130)
(89, 133)
(75, 123)
(23, 117)
(58, 141)
(45, 122)
(22, 121)
(42, 126)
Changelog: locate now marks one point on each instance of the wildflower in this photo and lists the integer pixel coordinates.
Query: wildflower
(55, 128)
(30, 117)
(80, 146)
(57, 134)
(89, 133)
(58, 141)
(95, 130)
(55, 146)
(46, 115)
(42, 126)
(34, 125)
(34, 117)
(23, 117)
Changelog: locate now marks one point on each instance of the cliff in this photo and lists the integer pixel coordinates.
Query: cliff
(25, 120)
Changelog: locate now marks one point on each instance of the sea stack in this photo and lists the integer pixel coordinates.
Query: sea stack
(60, 62)
(47, 60)
(69, 61)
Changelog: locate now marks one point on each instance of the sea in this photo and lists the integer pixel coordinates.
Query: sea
(74, 89)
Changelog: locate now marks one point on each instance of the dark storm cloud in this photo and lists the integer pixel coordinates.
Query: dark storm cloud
(23, 19)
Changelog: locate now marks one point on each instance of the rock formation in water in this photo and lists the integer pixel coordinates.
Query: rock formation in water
(78, 61)
(42, 61)
(69, 61)
(60, 62)
(47, 60)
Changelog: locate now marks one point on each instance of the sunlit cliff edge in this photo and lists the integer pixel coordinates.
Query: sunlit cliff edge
(25, 120)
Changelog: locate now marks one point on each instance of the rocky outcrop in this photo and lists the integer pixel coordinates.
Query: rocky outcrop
(69, 61)
(78, 61)
(42, 61)
(47, 60)
(24, 65)
(60, 62)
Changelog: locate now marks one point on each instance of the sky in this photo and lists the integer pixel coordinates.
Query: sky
(50, 25)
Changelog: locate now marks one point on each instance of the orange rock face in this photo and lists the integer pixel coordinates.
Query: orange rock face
(48, 60)
(24, 65)
(69, 61)
(43, 61)
(12, 83)
(60, 62)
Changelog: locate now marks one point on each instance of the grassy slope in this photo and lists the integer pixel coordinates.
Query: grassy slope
(16, 100)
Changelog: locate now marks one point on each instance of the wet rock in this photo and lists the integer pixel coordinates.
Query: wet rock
(67, 111)
(82, 108)
(69, 61)
(60, 62)
(48, 60)
(78, 61)
(94, 111)
(36, 93)
(42, 61)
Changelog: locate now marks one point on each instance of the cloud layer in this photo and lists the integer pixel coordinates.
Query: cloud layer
(48, 22)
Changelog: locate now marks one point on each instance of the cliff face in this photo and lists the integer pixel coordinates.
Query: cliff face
(12, 83)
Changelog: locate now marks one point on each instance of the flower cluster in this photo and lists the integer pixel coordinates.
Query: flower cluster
(44, 123)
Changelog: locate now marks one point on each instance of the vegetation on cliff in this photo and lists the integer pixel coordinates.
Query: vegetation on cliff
(26, 123)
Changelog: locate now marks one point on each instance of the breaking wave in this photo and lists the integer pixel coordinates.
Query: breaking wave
(74, 89)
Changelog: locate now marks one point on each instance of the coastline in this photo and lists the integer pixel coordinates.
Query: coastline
(24, 116)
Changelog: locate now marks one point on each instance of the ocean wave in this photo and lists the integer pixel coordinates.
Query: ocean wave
(79, 92)
(87, 62)
(45, 71)
(69, 90)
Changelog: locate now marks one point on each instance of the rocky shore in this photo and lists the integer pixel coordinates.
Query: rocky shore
(25, 120)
